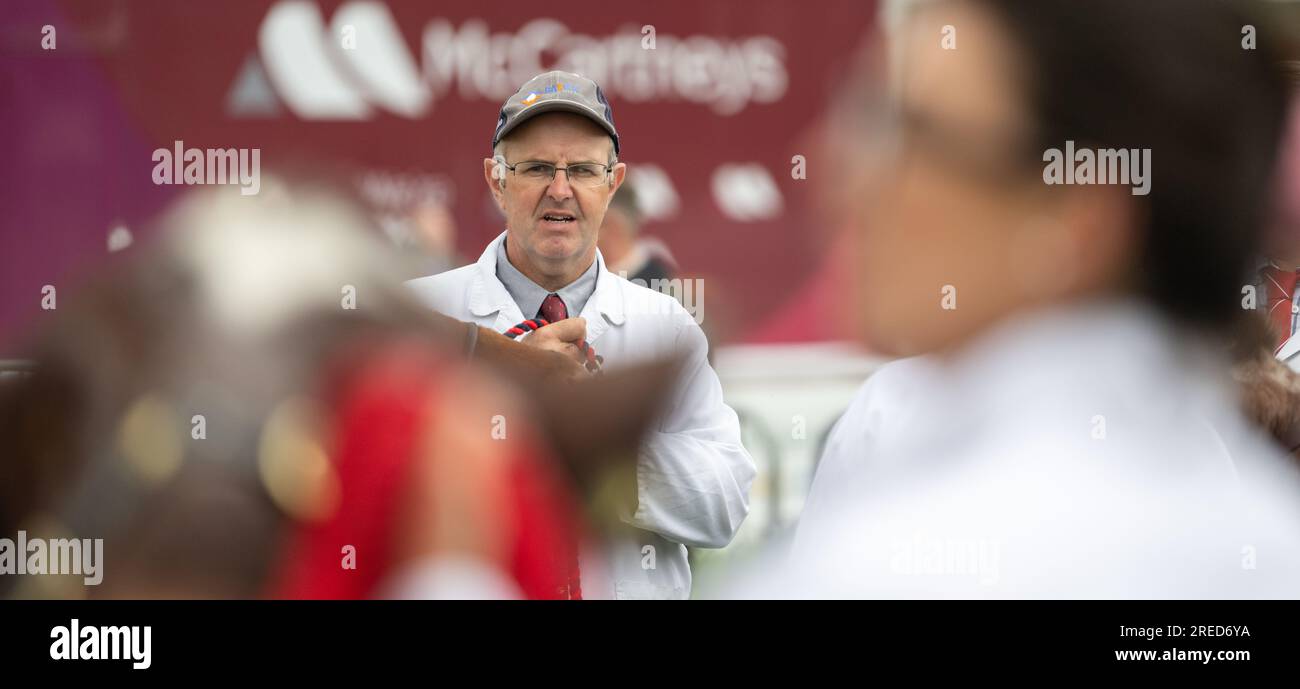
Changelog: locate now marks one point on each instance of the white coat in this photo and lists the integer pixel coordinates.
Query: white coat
(1093, 452)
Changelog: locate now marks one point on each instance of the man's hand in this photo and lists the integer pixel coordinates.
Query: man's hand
(562, 336)
(546, 361)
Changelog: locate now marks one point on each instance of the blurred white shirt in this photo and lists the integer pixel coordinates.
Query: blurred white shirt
(1094, 453)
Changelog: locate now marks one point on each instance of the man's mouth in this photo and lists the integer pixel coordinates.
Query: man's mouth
(558, 217)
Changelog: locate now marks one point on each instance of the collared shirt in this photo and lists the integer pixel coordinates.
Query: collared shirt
(529, 295)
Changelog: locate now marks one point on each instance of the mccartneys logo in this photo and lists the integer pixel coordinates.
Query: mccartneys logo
(359, 64)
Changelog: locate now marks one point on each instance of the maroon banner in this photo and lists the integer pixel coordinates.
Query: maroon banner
(713, 101)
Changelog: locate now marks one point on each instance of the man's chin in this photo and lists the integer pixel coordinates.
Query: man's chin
(557, 245)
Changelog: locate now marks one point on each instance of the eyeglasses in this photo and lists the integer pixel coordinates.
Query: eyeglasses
(534, 172)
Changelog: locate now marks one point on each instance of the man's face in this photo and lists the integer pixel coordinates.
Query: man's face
(554, 223)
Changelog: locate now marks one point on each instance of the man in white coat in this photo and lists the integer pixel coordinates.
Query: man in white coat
(553, 172)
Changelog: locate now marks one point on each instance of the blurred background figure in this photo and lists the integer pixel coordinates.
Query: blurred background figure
(643, 260)
(435, 233)
(1275, 294)
(427, 231)
(1070, 428)
(646, 261)
(1268, 352)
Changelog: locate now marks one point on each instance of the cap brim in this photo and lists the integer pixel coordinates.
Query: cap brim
(558, 105)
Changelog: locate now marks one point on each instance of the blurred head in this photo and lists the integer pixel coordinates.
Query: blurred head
(622, 222)
(552, 221)
(962, 230)
(434, 230)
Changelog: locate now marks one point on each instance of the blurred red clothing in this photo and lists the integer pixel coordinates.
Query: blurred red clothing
(381, 408)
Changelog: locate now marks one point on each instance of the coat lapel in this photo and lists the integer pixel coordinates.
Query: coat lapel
(489, 302)
(605, 307)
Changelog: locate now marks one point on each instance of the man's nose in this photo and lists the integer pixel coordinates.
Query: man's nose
(560, 189)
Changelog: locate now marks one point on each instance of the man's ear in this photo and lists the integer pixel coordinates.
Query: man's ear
(494, 173)
(620, 172)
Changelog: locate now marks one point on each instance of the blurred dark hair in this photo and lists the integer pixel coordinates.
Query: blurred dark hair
(1171, 76)
(1269, 389)
(627, 200)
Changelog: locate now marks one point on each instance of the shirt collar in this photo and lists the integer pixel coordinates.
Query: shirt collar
(528, 295)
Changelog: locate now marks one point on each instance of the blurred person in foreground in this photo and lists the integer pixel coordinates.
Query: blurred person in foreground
(553, 170)
(253, 407)
(1071, 428)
